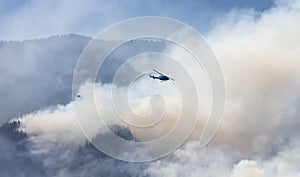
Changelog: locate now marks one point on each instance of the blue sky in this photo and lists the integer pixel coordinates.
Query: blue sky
(23, 19)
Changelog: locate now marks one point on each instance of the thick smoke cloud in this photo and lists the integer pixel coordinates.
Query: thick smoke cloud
(261, 66)
(259, 135)
(259, 53)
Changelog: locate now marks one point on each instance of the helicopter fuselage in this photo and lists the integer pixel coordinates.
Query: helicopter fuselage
(160, 77)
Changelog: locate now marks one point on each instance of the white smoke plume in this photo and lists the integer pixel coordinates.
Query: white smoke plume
(259, 53)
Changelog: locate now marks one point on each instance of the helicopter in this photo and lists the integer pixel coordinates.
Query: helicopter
(161, 76)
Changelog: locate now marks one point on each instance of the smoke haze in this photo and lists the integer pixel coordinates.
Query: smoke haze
(259, 135)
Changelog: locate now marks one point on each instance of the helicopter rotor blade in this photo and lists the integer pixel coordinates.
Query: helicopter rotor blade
(171, 79)
(158, 72)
